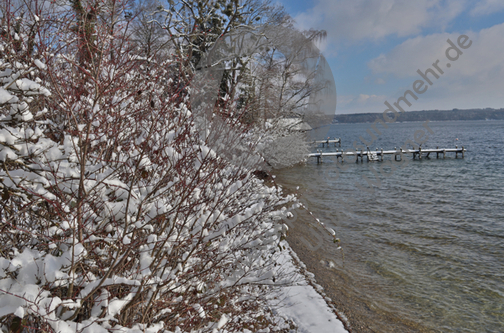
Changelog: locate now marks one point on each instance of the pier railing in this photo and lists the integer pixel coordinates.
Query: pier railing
(328, 141)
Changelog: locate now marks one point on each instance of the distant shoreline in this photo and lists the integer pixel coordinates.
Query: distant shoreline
(431, 115)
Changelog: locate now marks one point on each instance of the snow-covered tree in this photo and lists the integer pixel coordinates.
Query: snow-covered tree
(245, 55)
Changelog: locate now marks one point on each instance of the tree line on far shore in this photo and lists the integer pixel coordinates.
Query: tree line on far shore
(432, 115)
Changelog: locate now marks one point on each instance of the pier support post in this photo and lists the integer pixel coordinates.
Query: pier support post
(444, 153)
(381, 155)
(419, 153)
(462, 151)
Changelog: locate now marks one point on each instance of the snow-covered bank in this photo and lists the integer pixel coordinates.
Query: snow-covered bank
(303, 302)
(126, 207)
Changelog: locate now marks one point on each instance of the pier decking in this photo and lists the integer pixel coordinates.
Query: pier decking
(328, 141)
(377, 155)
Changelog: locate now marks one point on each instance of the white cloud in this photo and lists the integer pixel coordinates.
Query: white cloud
(380, 81)
(486, 7)
(474, 80)
(415, 53)
(360, 104)
(376, 19)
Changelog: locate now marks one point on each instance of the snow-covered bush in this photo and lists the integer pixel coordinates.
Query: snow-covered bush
(285, 148)
(115, 213)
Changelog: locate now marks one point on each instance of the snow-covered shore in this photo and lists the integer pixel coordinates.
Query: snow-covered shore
(304, 302)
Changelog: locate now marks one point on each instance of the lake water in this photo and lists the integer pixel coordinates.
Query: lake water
(425, 246)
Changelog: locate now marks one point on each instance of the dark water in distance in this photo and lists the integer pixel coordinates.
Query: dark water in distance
(427, 245)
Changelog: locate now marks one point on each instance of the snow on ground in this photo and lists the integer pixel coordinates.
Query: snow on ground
(302, 303)
(309, 311)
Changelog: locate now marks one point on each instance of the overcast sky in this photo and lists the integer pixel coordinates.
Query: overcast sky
(375, 48)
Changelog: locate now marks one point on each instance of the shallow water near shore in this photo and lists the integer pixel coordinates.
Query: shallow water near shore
(423, 247)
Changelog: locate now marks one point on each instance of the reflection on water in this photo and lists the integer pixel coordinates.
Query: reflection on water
(425, 246)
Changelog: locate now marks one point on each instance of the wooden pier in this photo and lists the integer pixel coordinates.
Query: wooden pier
(328, 141)
(377, 155)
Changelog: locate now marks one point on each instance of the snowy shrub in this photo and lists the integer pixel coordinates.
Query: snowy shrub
(115, 214)
(284, 149)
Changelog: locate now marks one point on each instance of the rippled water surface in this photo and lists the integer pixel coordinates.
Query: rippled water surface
(426, 242)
